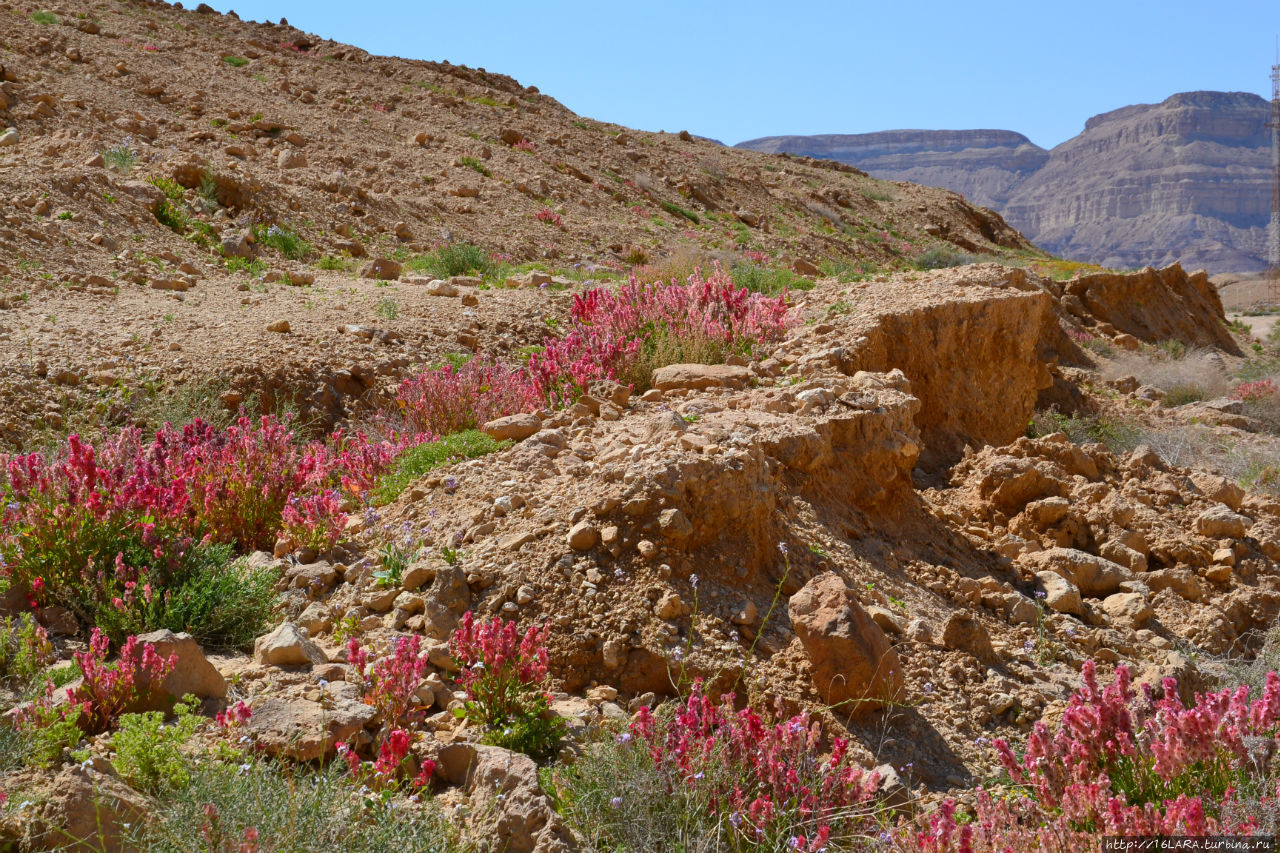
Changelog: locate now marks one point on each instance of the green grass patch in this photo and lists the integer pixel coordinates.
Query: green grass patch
(44, 17)
(475, 165)
(768, 280)
(283, 239)
(677, 210)
(454, 259)
(300, 809)
(941, 257)
(235, 61)
(416, 462)
(333, 262)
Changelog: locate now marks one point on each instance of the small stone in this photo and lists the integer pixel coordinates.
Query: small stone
(279, 326)
(9, 137)
(670, 606)
(674, 524)
(583, 536)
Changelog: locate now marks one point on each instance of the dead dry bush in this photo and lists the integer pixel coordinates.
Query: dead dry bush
(1199, 375)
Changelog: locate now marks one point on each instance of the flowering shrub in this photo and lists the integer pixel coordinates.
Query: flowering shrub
(1122, 764)
(548, 216)
(118, 528)
(391, 765)
(504, 675)
(315, 521)
(699, 769)
(623, 334)
(450, 399)
(1253, 392)
(618, 334)
(104, 691)
(525, 146)
(391, 682)
(765, 780)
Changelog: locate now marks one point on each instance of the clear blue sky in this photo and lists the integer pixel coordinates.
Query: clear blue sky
(743, 69)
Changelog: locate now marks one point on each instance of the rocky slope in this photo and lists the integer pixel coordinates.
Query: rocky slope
(363, 157)
(1186, 179)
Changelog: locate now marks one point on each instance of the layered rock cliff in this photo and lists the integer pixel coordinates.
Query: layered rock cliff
(1183, 180)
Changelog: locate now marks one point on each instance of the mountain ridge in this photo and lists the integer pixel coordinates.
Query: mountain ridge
(1145, 184)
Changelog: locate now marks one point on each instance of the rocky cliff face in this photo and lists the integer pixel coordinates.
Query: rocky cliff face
(1186, 179)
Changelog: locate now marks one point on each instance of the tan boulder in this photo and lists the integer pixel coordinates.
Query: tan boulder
(288, 645)
(700, 376)
(852, 664)
(192, 672)
(513, 427)
(1093, 575)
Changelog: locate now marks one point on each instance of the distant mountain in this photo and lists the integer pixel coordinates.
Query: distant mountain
(1187, 179)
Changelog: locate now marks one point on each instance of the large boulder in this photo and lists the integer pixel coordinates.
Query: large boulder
(508, 804)
(513, 427)
(700, 376)
(852, 663)
(1221, 522)
(192, 673)
(77, 809)
(305, 730)
(288, 645)
(1093, 575)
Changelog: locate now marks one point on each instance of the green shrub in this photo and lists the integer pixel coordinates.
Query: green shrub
(1172, 348)
(44, 17)
(768, 280)
(222, 605)
(295, 809)
(677, 210)
(220, 602)
(121, 158)
(254, 267)
(1118, 436)
(330, 262)
(235, 61)
(172, 189)
(454, 259)
(171, 216)
(40, 742)
(25, 651)
(150, 755)
(474, 164)
(417, 461)
(1182, 393)
(283, 239)
(940, 257)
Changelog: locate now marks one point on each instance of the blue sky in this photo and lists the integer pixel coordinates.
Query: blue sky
(740, 70)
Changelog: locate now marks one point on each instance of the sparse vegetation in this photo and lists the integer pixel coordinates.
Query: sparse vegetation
(475, 165)
(284, 240)
(235, 61)
(120, 158)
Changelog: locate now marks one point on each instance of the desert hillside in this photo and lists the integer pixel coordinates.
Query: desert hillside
(391, 459)
(1184, 180)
